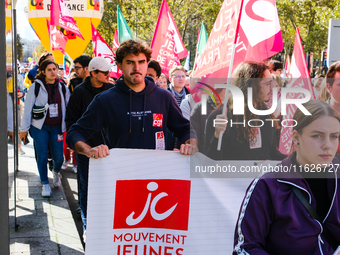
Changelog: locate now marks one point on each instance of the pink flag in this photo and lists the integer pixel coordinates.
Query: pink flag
(300, 79)
(61, 16)
(259, 36)
(115, 43)
(101, 49)
(57, 38)
(167, 46)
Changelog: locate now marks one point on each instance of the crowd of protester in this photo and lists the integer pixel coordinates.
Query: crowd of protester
(75, 118)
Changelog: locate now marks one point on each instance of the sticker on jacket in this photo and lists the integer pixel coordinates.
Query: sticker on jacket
(60, 137)
(258, 139)
(160, 144)
(157, 120)
(53, 110)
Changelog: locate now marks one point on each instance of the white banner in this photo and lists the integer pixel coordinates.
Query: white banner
(144, 202)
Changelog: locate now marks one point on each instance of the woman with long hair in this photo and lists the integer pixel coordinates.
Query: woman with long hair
(44, 118)
(247, 136)
(296, 210)
(324, 94)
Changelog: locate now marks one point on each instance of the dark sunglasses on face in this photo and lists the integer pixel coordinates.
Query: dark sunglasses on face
(105, 73)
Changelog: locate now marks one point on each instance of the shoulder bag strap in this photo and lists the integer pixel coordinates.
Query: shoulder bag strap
(325, 233)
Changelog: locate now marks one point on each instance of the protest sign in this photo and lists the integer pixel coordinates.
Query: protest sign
(145, 201)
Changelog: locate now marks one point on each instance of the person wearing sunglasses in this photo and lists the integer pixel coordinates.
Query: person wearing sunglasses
(81, 97)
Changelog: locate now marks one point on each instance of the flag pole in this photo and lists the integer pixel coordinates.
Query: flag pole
(229, 76)
(198, 39)
(49, 34)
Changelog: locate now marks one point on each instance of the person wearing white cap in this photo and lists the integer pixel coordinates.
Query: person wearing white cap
(81, 97)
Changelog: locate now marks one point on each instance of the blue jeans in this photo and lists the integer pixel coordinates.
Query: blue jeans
(83, 179)
(47, 136)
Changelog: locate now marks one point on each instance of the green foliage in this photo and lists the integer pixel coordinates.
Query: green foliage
(20, 50)
(312, 19)
(188, 15)
(40, 49)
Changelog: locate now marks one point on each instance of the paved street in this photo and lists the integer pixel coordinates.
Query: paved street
(45, 225)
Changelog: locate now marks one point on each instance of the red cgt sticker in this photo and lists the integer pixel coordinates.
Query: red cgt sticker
(152, 204)
(157, 120)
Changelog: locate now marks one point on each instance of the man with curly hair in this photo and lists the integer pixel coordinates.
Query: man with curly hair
(133, 114)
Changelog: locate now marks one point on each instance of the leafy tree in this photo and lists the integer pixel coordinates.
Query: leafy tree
(312, 18)
(20, 50)
(188, 15)
(40, 49)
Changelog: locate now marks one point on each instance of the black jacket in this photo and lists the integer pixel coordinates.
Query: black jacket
(74, 83)
(130, 119)
(198, 122)
(80, 99)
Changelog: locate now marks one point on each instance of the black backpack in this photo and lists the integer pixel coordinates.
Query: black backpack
(37, 89)
(38, 112)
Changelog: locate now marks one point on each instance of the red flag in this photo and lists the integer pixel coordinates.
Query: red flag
(301, 79)
(61, 16)
(101, 49)
(167, 46)
(259, 36)
(115, 43)
(57, 38)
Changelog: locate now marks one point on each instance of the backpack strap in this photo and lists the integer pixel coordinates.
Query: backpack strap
(37, 89)
(63, 88)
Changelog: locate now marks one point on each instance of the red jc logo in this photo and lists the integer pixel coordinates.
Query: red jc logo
(152, 204)
(157, 120)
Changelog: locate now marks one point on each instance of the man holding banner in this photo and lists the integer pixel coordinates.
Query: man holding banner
(133, 114)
